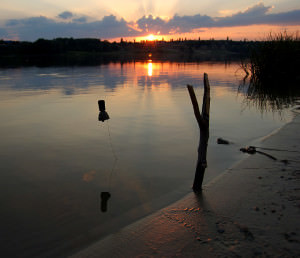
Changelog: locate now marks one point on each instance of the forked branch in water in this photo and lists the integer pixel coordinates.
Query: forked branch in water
(203, 122)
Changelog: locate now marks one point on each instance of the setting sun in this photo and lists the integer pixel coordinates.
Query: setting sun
(151, 37)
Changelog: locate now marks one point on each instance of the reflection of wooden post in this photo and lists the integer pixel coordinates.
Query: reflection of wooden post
(102, 114)
(203, 122)
(104, 198)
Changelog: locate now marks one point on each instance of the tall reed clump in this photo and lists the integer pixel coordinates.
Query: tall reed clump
(274, 70)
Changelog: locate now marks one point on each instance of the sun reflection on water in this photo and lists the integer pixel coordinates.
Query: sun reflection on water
(150, 68)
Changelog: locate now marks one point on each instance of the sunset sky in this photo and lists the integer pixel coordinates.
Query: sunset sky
(136, 19)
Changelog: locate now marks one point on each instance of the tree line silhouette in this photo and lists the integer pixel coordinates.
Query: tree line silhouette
(89, 51)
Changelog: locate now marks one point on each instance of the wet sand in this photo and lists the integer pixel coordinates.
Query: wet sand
(251, 210)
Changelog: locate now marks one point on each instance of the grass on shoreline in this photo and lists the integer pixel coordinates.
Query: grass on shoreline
(273, 67)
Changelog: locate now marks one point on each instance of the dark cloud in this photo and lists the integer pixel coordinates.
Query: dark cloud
(13, 22)
(258, 14)
(188, 23)
(257, 10)
(252, 15)
(80, 20)
(288, 18)
(111, 27)
(41, 27)
(3, 32)
(152, 25)
(65, 15)
(175, 25)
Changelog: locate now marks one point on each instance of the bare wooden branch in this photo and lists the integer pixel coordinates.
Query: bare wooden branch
(203, 122)
(195, 105)
(206, 98)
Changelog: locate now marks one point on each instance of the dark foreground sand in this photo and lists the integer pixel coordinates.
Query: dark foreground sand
(251, 210)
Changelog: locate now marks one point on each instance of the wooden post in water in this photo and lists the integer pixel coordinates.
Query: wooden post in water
(203, 122)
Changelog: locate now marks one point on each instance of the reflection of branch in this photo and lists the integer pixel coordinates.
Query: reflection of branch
(104, 198)
(103, 116)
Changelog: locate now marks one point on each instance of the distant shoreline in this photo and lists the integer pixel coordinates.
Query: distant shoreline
(83, 52)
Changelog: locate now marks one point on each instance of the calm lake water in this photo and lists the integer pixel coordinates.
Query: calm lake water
(56, 158)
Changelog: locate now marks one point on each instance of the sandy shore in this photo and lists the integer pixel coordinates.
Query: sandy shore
(251, 210)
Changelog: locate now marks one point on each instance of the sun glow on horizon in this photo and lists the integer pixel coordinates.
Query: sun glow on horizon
(253, 32)
(150, 37)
